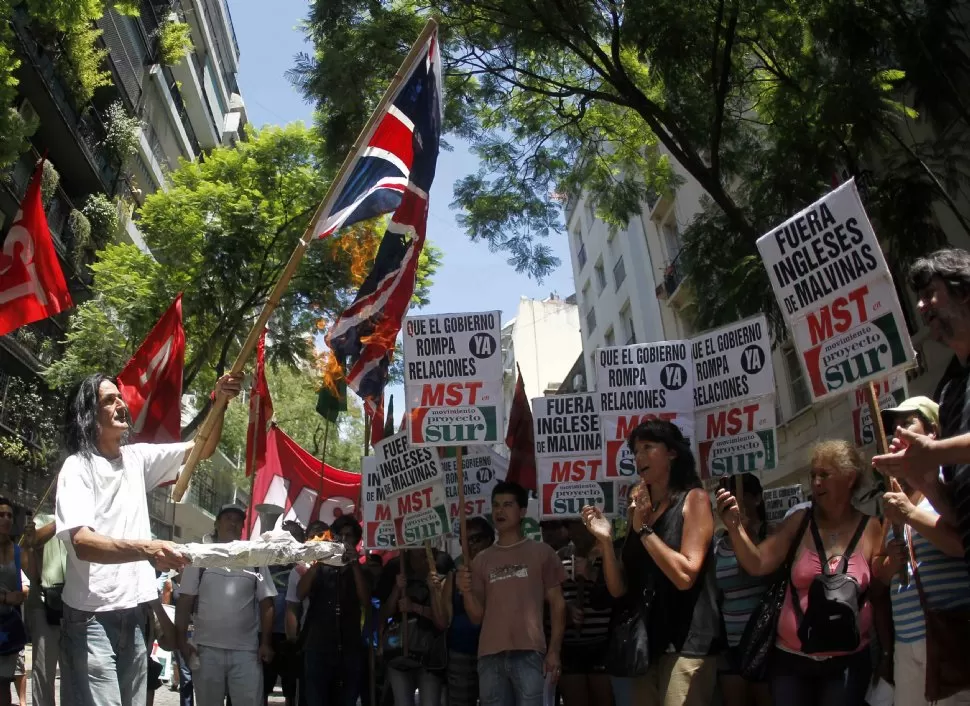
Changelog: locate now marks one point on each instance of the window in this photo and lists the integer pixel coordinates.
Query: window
(671, 236)
(590, 211)
(580, 246)
(800, 398)
(626, 321)
(600, 277)
(610, 339)
(590, 321)
(619, 272)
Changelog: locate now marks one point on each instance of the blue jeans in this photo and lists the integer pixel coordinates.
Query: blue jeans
(185, 680)
(512, 678)
(103, 656)
(329, 680)
(837, 681)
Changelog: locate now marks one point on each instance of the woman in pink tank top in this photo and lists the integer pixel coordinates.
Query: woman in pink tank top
(821, 652)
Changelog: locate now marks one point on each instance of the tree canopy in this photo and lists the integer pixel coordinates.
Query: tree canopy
(221, 234)
(763, 102)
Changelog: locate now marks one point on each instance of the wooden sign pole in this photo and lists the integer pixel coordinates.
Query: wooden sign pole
(882, 446)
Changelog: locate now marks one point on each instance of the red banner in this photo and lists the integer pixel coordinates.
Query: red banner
(32, 285)
(151, 382)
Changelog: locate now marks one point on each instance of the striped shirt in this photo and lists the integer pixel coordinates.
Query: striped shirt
(945, 581)
(597, 607)
(739, 592)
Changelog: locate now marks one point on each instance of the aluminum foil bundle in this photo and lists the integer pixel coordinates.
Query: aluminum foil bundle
(269, 549)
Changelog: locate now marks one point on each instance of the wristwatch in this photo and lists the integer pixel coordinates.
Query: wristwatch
(645, 531)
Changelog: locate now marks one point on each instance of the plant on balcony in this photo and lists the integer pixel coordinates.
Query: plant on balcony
(81, 231)
(49, 181)
(121, 133)
(102, 215)
(174, 41)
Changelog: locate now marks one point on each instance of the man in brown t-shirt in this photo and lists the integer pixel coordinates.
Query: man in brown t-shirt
(504, 591)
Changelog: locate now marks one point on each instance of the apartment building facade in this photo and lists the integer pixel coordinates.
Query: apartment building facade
(183, 109)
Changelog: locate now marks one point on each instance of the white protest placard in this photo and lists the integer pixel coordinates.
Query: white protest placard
(734, 395)
(483, 469)
(378, 525)
(835, 291)
(890, 392)
(569, 456)
(638, 383)
(412, 483)
(453, 379)
(778, 501)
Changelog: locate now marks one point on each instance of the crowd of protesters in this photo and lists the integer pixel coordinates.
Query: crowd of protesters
(692, 599)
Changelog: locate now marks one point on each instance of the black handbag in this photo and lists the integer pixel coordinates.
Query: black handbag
(13, 633)
(427, 647)
(628, 653)
(758, 639)
(51, 596)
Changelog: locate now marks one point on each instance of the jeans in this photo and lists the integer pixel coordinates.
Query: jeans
(622, 690)
(404, 682)
(329, 679)
(285, 666)
(837, 681)
(512, 678)
(236, 673)
(104, 661)
(185, 680)
(45, 640)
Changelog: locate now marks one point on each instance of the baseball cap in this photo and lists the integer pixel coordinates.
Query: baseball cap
(924, 406)
(231, 507)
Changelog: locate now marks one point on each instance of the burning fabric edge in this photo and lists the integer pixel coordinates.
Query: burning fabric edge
(270, 549)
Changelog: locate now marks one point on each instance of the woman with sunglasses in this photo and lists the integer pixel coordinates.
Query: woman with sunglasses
(11, 595)
(463, 633)
(667, 563)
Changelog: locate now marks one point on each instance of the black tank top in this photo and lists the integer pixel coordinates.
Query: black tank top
(686, 620)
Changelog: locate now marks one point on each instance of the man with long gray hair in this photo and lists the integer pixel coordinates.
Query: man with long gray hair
(102, 516)
(942, 283)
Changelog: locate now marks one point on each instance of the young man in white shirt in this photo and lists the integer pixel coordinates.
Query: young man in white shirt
(233, 624)
(102, 516)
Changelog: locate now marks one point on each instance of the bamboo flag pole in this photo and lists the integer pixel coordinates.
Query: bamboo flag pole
(882, 446)
(325, 207)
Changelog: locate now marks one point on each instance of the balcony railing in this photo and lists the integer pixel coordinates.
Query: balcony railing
(673, 276)
(17, 178)
(87, 123)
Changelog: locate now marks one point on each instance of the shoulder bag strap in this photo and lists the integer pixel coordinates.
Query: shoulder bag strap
(16, 563)
(790, 560)
(843, 566)
(912, 561)
(819, 547)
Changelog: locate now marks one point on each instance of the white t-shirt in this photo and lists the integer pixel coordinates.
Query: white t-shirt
(109, 497)
(292, 583)
(228, 610)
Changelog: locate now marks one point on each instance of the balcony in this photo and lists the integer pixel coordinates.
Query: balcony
(581, 256)
(673, 276)
(86, 126)
(590, 321)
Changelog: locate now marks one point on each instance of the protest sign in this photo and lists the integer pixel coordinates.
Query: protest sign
(412, 483)
(835, 291)
(453, 379)
(734, 395)
(737, 439)
(378, 525)
(890, 393)
(483, 470)
(638, 383)
(778, 501)
(569, 456)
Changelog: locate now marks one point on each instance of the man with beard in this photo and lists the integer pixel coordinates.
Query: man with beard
(102, 517)
(504, 591)
(942, 284)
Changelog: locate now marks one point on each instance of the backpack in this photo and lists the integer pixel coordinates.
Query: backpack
(831, 621)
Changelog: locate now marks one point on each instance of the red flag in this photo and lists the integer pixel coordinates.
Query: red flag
(520, 439)
(260, 411)
(32, 285)
(297, 481)
(377, 422)
(151, 382)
